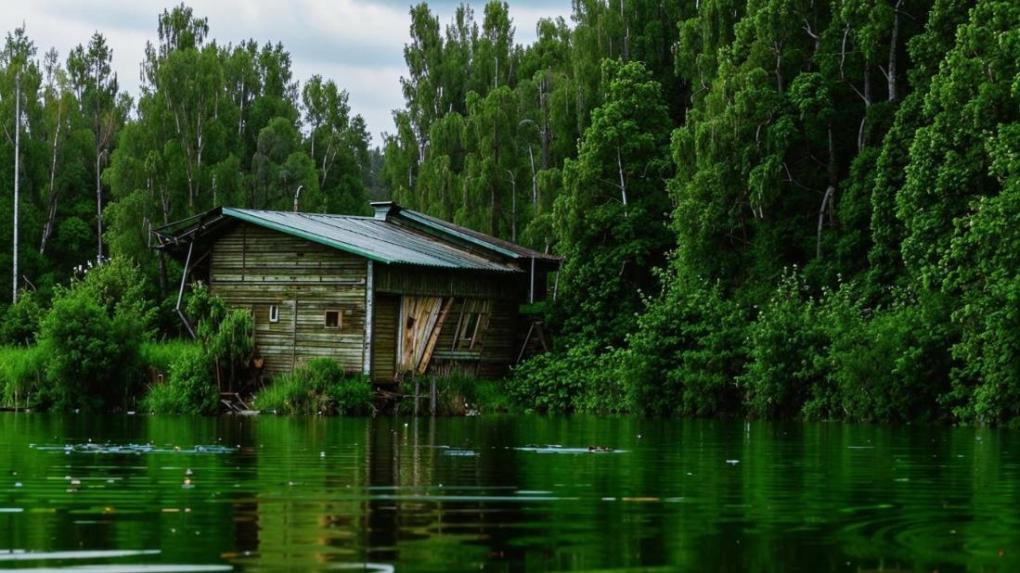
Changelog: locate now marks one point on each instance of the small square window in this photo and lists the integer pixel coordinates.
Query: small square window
(332, 319)
(274, 313)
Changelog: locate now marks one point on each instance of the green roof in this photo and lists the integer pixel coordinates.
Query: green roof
(377, 239)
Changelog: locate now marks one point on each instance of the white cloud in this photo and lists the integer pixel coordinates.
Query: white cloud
(357, 43)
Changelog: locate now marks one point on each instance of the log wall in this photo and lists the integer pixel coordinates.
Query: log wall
(254, 268)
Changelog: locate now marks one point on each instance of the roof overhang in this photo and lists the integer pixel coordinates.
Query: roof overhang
(374, 238)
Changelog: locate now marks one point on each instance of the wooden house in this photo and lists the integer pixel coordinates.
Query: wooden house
(384, 295)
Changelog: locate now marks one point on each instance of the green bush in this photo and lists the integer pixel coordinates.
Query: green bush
(885, 365)
(93, 360)
(21, 374)
(20, 325)
(319, 387)
(832, 357)
(582, 378)
(189, 388)
(783, 344)
(118, 287)
(91, 337)
(687, 352)
(228, 335)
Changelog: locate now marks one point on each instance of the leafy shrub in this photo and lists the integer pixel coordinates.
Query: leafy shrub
(319, 387)
(189, 388)
(783, 343)
(886, 366)
(687, 352)
(832, 357)
(20, 324)
(228, 335)
(91, 337)
(580, 379)
(21, 374)
(118, 287)
(93, 359)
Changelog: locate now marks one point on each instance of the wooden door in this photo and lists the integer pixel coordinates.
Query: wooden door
(384, 338)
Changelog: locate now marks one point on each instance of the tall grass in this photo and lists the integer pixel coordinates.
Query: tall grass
(319, 387)
(458, 394)
(22, 371)
(160, 355)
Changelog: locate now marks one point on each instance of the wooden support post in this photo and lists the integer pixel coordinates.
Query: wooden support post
(415, 394)
(180, 293)
(369, 304)
(432, 395)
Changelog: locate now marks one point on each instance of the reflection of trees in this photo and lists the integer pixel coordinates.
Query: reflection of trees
(802, 495)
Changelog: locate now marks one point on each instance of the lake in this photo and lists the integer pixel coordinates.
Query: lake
(513, 493)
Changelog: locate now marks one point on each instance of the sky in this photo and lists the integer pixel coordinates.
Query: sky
(357, 43)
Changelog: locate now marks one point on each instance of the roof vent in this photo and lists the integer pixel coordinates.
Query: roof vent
(383, 209)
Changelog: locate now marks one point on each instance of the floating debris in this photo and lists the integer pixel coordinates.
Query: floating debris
(733, 462)
(460, 453)
(129, 449)
(555, 449)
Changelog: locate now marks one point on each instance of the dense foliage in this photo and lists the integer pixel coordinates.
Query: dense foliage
(832, 217)
(213, 125)
(188, 389)
(771, 208)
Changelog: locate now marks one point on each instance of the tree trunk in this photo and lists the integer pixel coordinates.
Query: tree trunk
(51, 212)
(99, 204)
(867, 105)
(828, 200)
(534, 179)
(546, 133)
(893, 42)
(778, 47)
(623, 181)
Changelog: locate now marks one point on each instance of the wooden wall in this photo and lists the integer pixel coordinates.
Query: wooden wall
(384, 338)
(496, 350)
(426, 281)
(252, 268)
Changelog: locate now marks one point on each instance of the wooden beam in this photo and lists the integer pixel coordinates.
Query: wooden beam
(180, 293)
(426, 357)
(369, 311)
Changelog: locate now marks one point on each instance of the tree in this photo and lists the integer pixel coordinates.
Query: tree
(95, 84)
(610, 218)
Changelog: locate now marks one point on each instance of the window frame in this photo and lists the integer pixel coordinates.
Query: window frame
(339, 319)
(464, 340)
(274, 313)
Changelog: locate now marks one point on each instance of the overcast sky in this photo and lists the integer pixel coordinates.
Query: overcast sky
(357, 43)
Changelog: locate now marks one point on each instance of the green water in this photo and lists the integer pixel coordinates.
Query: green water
(491, 493)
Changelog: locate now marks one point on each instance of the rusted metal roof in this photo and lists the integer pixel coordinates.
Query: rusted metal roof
(376, 239)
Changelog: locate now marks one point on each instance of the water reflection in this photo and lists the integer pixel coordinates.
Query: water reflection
(503, 494)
